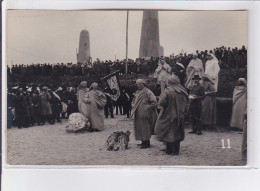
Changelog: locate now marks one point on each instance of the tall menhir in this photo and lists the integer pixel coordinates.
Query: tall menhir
(150, 39)
(84, 47)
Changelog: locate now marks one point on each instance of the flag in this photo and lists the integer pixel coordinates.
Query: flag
(113, 84)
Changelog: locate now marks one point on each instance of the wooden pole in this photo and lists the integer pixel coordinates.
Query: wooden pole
(126, 66)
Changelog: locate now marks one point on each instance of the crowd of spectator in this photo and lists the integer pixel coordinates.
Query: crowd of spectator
(36, 105)
(228, 58)
(32, 103)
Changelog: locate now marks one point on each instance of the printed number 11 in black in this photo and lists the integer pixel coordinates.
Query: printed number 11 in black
(223, 144)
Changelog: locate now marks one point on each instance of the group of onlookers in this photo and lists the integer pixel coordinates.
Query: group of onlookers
(228, 58)
(186, 89)
(29, 106)
(35, 105)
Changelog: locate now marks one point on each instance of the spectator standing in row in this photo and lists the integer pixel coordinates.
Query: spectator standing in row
(126, 102)
(109, 108)
(36, 108)
(20, 107)
(45, 105)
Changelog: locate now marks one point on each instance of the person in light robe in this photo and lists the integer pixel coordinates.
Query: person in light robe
(195, 67)
(212, 69)
(208, 113)
(96, 101)
(169, 127)
(82, 96)
(239, 104)
(144, 111)
(162, 72)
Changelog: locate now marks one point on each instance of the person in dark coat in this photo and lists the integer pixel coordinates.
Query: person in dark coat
(169, 127)
(117, 103)
(20, 107)
(126, 102)
(72, 102)
(56, 106)
(109, 108)
(196, 96)
(10, 107)
(46, 111)
(35, 108)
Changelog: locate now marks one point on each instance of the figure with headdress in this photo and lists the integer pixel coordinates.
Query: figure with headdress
(212, 69)
(169, 127)
(208, 113)
(91, 105)
(179, 69)
(162, 72)
(196, 96)
(144, 111)
(239, 104)
(195, 67)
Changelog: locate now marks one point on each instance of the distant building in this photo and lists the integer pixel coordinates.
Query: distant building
(83, 55)
(150, 39)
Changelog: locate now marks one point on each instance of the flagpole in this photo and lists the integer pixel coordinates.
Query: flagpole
(126, 66)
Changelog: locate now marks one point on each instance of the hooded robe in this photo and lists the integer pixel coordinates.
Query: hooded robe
(169, 126)
(239, 105)
(212, 69)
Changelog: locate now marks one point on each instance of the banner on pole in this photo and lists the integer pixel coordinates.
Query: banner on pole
(113, 84)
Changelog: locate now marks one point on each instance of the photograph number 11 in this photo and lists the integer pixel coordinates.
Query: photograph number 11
(126, 87)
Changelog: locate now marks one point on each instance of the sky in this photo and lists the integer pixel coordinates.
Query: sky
(37, 36)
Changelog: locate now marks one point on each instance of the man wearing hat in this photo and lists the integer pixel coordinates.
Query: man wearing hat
(144, 110)
(195, 67)
(196, 95)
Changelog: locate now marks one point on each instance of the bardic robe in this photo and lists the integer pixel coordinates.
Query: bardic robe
(195, 67)
(169, 126)
(239, 105)
(143, 108)
(212, 69)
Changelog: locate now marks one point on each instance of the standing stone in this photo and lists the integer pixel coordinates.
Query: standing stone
(150, 40)
(161, 51)
(84, 47)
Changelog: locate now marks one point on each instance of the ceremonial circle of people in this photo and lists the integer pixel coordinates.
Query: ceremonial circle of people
(187, 94)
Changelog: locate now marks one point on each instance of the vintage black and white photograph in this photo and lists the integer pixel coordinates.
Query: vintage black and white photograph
(126, 87)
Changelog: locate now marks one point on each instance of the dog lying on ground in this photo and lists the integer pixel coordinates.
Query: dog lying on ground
(118, 140)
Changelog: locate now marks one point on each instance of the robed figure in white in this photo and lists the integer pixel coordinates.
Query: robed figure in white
(212, 69)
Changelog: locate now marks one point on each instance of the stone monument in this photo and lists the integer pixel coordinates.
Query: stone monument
(150, 40)
(83, 55)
